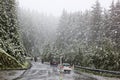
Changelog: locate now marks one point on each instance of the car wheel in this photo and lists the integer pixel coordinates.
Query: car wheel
(69, 72)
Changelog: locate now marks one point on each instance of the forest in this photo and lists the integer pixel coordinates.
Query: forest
(90, 38)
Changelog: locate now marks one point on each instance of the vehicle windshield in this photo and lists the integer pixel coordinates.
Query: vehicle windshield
(66, 64)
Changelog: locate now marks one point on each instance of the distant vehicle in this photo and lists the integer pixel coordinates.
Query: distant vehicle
(65, 67)
(42, 61)
(54, 63)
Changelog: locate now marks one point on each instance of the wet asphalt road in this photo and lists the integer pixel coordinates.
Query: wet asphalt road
(40, 71)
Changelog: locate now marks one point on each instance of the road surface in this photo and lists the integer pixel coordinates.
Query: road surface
(40, 71)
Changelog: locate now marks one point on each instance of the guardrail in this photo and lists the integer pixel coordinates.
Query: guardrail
(99, 70)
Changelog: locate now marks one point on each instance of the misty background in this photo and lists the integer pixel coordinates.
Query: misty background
(85, 32)
(55, 7)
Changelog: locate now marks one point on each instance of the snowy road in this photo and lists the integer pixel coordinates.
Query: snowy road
(45, 72)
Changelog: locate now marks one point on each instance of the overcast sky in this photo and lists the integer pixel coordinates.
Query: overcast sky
(55, 7)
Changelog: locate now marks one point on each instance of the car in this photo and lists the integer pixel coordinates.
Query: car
(54, 63)
(65, 67)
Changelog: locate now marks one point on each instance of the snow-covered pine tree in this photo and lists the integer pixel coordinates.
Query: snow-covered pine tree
(9, 37)
(96, 22)
(115, 24)
(62, 29)
(115, 32)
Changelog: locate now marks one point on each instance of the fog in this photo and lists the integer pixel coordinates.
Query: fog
(55, 7)
(86, 32)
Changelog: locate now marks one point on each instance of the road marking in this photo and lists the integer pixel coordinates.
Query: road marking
(61, 76)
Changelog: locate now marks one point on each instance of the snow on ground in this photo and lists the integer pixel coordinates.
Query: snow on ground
(10, 74)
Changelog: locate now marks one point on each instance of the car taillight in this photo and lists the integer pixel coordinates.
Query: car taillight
(61, 66)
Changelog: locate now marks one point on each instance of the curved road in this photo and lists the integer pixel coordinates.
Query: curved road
(40, 71)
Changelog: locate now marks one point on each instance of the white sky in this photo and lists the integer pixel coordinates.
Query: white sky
(55, 7)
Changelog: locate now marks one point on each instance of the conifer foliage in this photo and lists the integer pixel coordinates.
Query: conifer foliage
(91, 38)
(10, 43)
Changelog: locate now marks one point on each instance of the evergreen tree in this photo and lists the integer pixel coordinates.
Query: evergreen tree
(9, 36)
(114, 32)
(63, 26)
(115, 24)
(96, 22)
